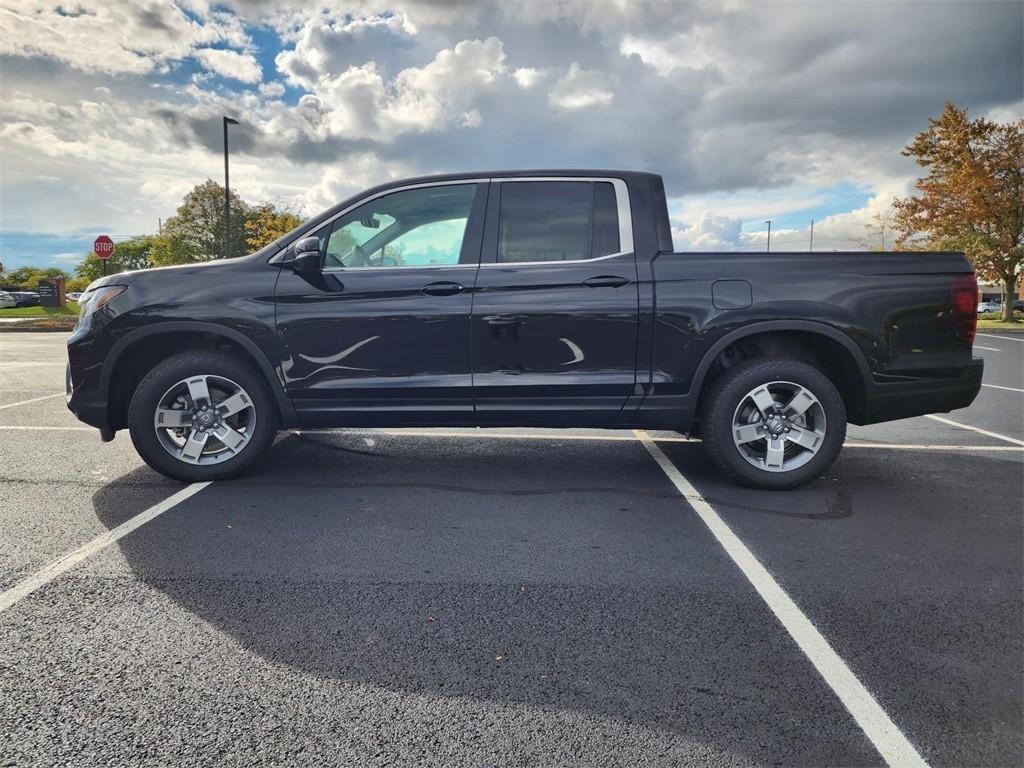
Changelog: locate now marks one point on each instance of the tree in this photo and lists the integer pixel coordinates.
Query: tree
(877, 230)
(973, 196)
(27, 278)
(265, 224)
(129, 255)
(196, 232)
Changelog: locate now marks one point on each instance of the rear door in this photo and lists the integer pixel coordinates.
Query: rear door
(381, 335)
(555, 315)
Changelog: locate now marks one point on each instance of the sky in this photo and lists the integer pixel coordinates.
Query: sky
(110, 110)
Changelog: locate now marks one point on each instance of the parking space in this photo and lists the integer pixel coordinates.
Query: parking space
(499, 597)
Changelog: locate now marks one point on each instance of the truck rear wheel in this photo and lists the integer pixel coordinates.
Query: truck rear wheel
(773, 423)
(201, 416)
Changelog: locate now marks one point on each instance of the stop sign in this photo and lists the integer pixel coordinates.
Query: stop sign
(103, 247)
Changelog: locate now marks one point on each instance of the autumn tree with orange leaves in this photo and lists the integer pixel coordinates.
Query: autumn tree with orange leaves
(972, 198)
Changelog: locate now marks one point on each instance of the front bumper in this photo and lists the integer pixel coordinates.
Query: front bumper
(88, 405)
(83, 391)
(919, 396)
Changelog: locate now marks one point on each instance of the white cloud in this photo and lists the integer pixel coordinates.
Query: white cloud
(351, 103)
(581, 88)
(737, 222)
(1007, 113)
(711, 232)
(360, 103)
(527, 77)
(272, 90)
(355, 173)
(426, 97)
(113, 36)
(239, 66)
(325, 45)
(691, 50)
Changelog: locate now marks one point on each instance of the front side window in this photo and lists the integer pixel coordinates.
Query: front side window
(414, 228)
(557, 221)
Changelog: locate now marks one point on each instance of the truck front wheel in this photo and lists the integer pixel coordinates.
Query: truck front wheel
(773, 423)
(201, 416)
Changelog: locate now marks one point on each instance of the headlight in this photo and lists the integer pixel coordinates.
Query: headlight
(97, 298)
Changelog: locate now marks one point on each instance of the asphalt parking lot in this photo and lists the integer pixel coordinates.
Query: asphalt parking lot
(461, 597)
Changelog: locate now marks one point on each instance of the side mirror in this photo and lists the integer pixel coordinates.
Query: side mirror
(307, 256)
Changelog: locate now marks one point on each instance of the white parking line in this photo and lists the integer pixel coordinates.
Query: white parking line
(30, 363)
(64, 564)
(997, 386)
(934, 447)
(1004, 338)
(980, 431)
(987, 349)
(32, 400)
(37, 428)
(890, 742)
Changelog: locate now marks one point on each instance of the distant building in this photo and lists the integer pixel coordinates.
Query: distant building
(994, 291)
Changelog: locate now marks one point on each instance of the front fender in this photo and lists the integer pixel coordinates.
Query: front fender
(151, 333)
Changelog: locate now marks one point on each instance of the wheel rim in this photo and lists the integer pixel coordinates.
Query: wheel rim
(779, 426)
(204, 420)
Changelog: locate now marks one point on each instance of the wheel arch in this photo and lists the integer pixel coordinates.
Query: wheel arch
(822, 345)
(137, 351)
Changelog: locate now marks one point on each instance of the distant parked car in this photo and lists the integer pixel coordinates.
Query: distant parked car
(25, 298)
(1018, 305)
(989, 306)
(6, 300)
(73, 296)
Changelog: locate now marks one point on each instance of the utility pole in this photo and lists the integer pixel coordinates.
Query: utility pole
(812, 236)
(768, 248)
(227, 192)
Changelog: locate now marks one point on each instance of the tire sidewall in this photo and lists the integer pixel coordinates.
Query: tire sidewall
(735, 384)
(155, 384)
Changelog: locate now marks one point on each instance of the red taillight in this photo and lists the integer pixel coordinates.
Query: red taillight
(964, 297)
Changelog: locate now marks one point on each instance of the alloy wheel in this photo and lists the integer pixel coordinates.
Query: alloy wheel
(779, 426)
(204, 420)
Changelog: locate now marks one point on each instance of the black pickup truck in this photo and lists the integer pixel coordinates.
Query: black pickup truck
(527, 299)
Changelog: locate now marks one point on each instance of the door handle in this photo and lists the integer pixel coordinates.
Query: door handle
(606, 281)
(442, 289)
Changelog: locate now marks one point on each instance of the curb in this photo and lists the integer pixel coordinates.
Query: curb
(35, 329)
(1002, 330)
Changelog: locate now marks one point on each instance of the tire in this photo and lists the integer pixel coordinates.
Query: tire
(732, 418)
(192, 451)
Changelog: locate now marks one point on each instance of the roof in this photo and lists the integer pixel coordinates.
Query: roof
(629, 177)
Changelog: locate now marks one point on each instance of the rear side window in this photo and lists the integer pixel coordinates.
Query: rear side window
(557, 221)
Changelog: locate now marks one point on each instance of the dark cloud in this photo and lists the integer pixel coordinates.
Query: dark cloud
(153, 17)
(779, 84)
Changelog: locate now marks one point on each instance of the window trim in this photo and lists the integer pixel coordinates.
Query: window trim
(622, 206)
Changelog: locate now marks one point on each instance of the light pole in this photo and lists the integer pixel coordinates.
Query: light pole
(768, 248)
(227, 192)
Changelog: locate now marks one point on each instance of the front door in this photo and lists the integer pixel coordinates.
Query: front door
(381, 335)
(555, 316)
